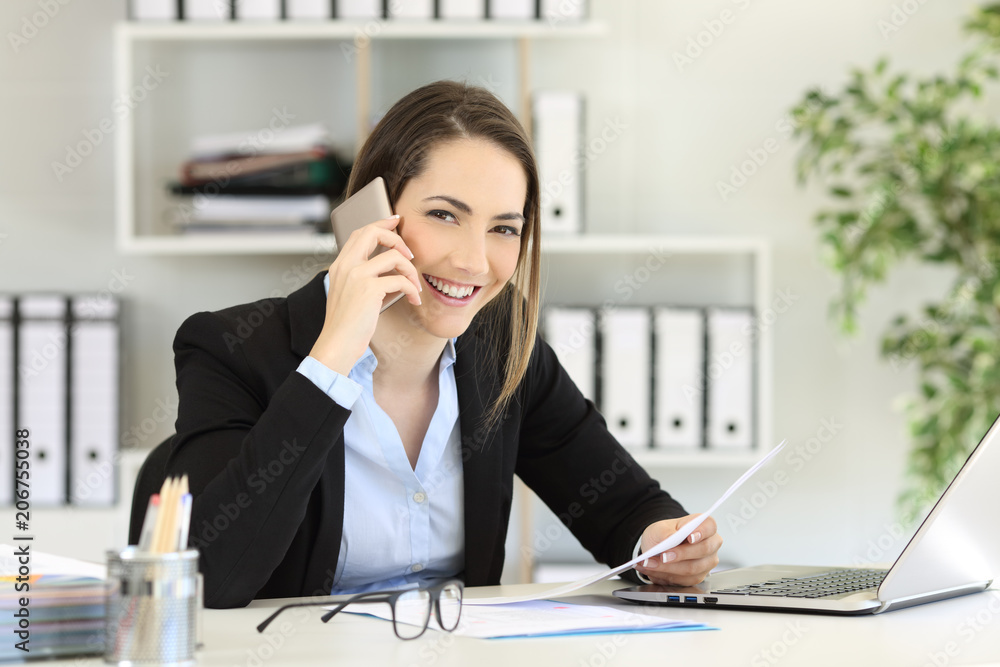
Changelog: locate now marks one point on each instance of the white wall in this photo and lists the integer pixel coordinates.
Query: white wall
(682, 131)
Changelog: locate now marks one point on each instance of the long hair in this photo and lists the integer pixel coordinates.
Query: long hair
(397, 151)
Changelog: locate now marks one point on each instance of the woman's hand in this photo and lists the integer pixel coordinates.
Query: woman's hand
(358, 286)
(689, 562)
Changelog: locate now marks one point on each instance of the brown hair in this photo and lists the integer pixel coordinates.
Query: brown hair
(397, 151)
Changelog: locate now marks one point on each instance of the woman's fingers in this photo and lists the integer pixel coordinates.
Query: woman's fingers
(390, 261)
(690, 561)
(689, 564)
(366, 240)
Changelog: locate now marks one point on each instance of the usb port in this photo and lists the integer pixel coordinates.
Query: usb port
(673, 598)
(690, 599)
(711, 600)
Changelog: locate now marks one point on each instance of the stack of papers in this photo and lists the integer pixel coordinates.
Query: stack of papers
(547, 618)
(239, 183)
(65, 609)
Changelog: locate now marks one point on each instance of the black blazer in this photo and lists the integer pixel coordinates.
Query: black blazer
(264, 450)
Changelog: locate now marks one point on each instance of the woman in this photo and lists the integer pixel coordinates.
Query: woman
(332, 449)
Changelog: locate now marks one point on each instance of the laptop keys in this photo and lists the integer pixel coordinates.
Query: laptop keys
(836, 582)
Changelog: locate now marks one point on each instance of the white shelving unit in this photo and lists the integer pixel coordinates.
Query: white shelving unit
(137, 233)
(695, 271)
(576, 270)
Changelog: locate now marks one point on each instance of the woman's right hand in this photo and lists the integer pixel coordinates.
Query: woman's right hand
(359, 284)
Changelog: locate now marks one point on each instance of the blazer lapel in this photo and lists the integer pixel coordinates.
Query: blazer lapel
(306, 313)
(482, 467)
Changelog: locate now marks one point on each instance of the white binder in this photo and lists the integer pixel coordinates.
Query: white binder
(7, 425)
(512, 9)
(678, 389)
(258, 10)
(557, 131)
(309, 9)
(41, 371)
(153, 10)
(572, 333)
(359, 9)
(557, 11)
(462, 9)
(729, 379)
(93, 416)
(626, 374)
(207, 10)
(410, 9)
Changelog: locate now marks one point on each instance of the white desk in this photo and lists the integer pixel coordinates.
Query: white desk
(913, 637)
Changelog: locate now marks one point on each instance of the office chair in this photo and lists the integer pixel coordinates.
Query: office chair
(152, 472)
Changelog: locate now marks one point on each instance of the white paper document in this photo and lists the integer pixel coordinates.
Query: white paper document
(546, 618)
(46, 563)
(666, 544)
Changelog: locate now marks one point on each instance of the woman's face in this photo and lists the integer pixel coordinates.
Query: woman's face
(462, 220)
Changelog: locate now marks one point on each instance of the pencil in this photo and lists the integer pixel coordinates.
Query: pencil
(152, 510)
(185, 522)
(183, 513)
(165, 517)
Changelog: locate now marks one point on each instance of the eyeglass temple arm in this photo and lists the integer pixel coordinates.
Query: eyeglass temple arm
(267, 621)
(361, 598)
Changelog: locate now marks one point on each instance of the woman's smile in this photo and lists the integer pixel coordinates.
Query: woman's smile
(450, 292)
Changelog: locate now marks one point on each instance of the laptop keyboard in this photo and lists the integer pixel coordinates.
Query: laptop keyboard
(825, 584)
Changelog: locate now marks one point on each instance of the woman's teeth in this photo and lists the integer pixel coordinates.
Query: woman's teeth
(451, 290)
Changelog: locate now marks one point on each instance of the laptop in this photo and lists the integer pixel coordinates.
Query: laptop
(955, 551)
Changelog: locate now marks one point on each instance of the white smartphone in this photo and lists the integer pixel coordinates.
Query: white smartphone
(364, 207)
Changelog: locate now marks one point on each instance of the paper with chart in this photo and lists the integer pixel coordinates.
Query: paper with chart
(545, 618)
(666, 544)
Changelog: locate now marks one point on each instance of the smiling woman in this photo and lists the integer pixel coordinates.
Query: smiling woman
(409, 425)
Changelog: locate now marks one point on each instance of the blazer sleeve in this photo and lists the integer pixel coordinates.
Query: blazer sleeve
(254, 448)
(568, 457)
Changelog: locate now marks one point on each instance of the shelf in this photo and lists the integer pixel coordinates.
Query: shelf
(229, 244)
(137, 231)
(605, 243)
(256, 244)
(371, 29)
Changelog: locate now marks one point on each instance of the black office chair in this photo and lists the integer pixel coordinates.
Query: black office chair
(152, 472)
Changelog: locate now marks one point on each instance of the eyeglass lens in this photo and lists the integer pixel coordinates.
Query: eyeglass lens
(450, 606)
(412, 612)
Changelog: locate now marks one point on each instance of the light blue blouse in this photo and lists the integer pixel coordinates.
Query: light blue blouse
(403, 526)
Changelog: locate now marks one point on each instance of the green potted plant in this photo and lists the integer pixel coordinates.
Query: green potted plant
(912, 169)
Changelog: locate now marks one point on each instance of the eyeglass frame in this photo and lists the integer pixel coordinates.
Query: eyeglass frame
(433, 602)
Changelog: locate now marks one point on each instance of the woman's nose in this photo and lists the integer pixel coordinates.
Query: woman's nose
(470, 257)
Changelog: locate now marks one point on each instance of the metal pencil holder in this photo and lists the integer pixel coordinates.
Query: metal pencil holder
(152, 608)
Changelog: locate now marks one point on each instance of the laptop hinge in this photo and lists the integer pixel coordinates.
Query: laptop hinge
(913, 600)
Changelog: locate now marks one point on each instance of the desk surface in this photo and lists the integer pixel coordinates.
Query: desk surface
(962, 631)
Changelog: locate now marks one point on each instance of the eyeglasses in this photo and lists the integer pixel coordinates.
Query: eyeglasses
(411, 609)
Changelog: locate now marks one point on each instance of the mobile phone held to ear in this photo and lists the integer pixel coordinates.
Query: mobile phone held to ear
(364, 207)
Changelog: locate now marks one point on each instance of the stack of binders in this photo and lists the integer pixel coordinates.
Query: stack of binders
(679, 378)
(553, 11)
(288, 184)
(59, 381)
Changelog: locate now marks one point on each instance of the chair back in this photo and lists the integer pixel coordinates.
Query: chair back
(152, 472)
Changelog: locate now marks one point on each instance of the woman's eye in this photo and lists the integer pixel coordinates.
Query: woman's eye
(507, 230)
(442, 215)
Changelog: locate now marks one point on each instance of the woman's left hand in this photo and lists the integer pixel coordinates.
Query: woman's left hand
(689, 562)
